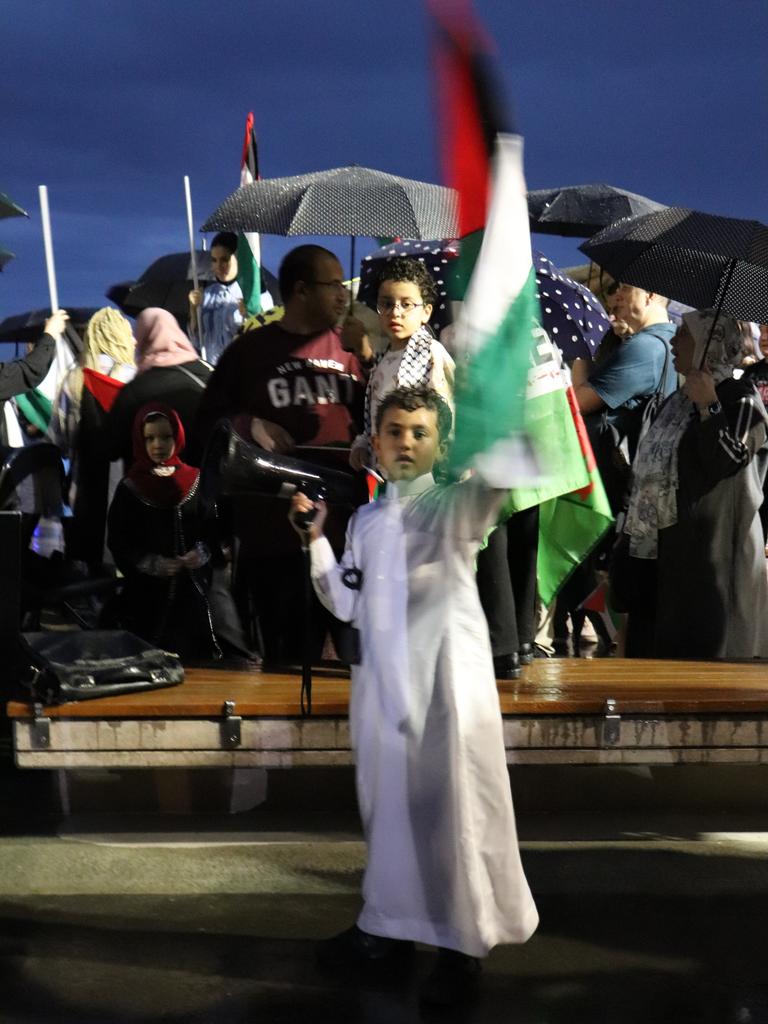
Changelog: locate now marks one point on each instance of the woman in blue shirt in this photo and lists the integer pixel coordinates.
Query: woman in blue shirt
(219, 305)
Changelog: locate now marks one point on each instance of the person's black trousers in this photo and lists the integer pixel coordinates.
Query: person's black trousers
(506, 582)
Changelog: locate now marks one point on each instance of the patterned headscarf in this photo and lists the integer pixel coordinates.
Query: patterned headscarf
(653, 502)
(725, 350)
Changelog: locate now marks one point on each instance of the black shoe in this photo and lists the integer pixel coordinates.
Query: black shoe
(507, 666)
(455, 978)
(356, 948)
(526, 654)
(562, 647)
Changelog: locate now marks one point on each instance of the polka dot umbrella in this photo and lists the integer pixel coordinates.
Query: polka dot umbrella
(570, 313)
(437, 256)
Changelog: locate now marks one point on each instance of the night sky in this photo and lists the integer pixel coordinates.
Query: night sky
(111, 104)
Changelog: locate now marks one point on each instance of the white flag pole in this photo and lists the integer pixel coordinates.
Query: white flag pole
(193, 258)
(46, 219)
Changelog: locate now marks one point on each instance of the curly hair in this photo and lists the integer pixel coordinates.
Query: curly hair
(409, 268)
(411, 399)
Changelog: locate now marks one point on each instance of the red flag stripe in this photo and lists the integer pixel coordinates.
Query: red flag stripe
(250, 157)
(104, 389)
(469, 109)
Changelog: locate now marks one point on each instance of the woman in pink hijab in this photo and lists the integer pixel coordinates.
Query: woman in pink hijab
(160, 341)
(169, 370)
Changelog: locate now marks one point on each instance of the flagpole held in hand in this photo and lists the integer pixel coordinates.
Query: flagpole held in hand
(45, 216)
(193, 259)
(351, 274)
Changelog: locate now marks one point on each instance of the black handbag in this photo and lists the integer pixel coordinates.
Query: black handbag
(82, 665)
(610, 458)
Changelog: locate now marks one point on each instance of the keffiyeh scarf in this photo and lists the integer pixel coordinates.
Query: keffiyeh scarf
(415, 369)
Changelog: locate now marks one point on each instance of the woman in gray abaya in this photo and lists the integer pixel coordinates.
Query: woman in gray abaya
(695, 538)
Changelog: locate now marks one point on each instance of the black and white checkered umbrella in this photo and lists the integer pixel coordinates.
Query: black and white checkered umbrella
(343, 201)
(697, 258)
(437, 256)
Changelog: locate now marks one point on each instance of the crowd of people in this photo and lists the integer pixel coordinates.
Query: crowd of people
(675, 416)
(679, 429)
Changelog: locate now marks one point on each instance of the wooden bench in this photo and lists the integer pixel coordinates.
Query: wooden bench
(569, 711)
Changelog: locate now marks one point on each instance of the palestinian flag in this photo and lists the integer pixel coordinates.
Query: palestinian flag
(575, 521)
(494, 334)
(598, 602)
(574, 513)
(103, 388)
(513, 385)
(248, 246)
(36, 405)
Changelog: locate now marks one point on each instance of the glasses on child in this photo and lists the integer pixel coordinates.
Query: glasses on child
(405, 306)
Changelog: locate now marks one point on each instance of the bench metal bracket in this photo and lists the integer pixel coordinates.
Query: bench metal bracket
(41, 728)
(231, 726)
(611, 724)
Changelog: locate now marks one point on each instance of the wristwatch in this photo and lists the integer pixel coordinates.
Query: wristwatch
(714, 408)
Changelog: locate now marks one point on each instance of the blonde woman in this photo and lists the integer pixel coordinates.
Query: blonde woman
(106, 363)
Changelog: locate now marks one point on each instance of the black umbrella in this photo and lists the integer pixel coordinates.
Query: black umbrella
(5, 257)
(580, 210)
(437, 256)
(167, 282)
(10, 209)
(697, 258)
(29, 326)
(342, 201)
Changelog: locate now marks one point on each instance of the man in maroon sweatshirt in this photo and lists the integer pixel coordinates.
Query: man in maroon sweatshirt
(288, 384)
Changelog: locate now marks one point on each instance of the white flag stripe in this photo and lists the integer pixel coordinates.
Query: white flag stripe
(251, 237)
(505, 259)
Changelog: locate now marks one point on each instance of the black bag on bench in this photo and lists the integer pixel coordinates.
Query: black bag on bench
(84, 664)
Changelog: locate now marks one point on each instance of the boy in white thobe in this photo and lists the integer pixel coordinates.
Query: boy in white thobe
(435, 801)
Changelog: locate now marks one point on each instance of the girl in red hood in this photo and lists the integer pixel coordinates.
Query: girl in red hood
(155, 536)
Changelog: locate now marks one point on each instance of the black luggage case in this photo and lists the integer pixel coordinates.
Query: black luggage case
(84, 664)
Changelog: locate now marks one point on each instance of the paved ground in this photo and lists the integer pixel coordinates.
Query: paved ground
(653, 894)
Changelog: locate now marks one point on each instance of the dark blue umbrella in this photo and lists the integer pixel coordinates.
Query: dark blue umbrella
(570, 313)
(436, 256)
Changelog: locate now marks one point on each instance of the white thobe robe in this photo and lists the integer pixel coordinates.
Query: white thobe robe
(435, 800)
